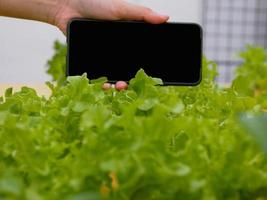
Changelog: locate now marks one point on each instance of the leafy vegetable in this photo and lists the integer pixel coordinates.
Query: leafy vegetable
(147, 142)
(57, 64)
(251, 76)
(257, 126)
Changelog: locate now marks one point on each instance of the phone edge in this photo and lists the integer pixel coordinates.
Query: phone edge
(164, 83)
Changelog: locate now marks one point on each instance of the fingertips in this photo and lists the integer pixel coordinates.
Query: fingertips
(156, 18)
(129, 11)
(106, 86)
(121, 85)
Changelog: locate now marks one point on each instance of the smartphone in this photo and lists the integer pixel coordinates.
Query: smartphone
(118, 49)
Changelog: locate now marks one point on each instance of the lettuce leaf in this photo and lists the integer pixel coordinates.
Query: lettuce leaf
(148, 142)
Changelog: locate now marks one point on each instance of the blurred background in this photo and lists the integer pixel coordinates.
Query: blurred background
(25, 46)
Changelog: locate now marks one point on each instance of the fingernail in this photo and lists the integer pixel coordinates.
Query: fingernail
(164, 16)
(156, 13)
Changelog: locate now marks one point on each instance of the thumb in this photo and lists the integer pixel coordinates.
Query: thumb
(129, 11)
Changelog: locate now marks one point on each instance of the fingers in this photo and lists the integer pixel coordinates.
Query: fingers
(120, 85)
(156, 18)
(108, 10)
(129, 11)
(106, 86)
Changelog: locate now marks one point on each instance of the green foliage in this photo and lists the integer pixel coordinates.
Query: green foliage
(257, 126)
(251, 77)
(57, 64)
(149, 142)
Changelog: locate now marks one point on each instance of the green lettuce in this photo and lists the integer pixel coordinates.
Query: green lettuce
(148, 142)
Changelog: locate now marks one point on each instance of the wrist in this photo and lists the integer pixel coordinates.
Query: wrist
(41, 10)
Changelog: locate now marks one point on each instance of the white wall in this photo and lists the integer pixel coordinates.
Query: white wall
(25, 46)
(178, 10)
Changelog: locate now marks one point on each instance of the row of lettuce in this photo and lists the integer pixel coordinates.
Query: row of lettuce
(149, 142)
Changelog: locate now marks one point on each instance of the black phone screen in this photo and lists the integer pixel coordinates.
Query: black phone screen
(118, 49)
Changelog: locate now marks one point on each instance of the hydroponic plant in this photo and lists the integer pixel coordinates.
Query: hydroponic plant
(148, 142)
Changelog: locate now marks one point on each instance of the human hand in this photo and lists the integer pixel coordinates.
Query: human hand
(103, 9)
(120, 85)
(60, 12)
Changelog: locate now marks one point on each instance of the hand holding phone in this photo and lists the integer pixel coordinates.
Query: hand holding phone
(118, 49)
